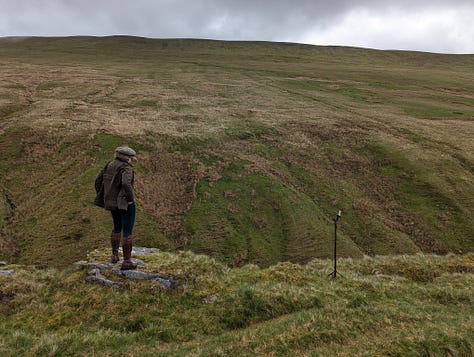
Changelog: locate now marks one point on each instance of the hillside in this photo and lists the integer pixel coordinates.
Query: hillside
(246, 150)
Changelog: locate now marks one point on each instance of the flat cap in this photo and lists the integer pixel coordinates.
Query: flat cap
(125, 150)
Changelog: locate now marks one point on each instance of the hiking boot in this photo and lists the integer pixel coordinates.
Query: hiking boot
(127, 264)
(115, 242)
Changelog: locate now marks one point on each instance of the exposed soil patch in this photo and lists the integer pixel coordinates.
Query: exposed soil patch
(167, 191)
(6, 298)
(8, 246)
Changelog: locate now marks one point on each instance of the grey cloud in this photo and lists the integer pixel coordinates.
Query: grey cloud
(270, 20)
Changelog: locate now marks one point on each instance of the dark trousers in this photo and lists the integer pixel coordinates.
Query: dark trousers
(124, 220)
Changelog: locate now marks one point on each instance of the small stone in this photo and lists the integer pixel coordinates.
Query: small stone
(7, 272)
(93, 272)
(209, 300)
(139, 262)
(2, 263)
(80, 265)
(166, 283)
(103, 266)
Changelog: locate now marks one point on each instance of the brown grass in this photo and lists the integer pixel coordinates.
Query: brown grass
(300, 116)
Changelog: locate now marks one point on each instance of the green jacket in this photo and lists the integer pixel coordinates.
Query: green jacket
(114, 185)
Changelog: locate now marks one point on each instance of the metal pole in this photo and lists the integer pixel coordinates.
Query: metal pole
(335, 249)
(335, 220)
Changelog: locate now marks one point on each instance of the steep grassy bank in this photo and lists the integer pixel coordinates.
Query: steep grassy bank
(246, 150)
(398, 306)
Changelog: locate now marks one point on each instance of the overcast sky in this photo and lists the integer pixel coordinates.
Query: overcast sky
(444, 26)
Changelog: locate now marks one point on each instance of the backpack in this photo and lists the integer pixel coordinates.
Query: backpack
(99, 188)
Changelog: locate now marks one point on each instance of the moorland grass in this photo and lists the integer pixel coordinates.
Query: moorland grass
(290, 133)
(402, 305)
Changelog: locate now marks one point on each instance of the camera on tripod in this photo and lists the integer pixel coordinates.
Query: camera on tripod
(336, 219)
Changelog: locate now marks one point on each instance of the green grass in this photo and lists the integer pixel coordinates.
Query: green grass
(247, 149)
(437, 111)
(398, 305)
(10, 109)
(146, 103)
(425, 199)
(60, 214)
(233, 218)
(48, 86)
(351, 91)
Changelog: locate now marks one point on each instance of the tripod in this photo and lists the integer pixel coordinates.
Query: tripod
(334, 274)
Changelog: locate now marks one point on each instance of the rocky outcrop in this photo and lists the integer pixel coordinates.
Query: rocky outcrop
(99, 272)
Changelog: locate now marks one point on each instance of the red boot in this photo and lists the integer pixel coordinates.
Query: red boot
(115, 242)
(127, 264)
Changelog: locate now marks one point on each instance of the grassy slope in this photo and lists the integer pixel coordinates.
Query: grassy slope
(247, 149)
(399, 306)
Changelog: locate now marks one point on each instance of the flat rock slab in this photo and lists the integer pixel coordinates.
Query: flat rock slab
(138, 275)
(2, 263)
(7, 272)
(102, 280)
(164, 281)
(142, 251)
(84, 264)
(104, 266)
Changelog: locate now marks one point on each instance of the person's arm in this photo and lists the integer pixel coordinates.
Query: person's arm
(99, 180)
(127, 184)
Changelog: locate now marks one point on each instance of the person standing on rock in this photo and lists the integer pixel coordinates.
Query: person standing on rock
(114, 188)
